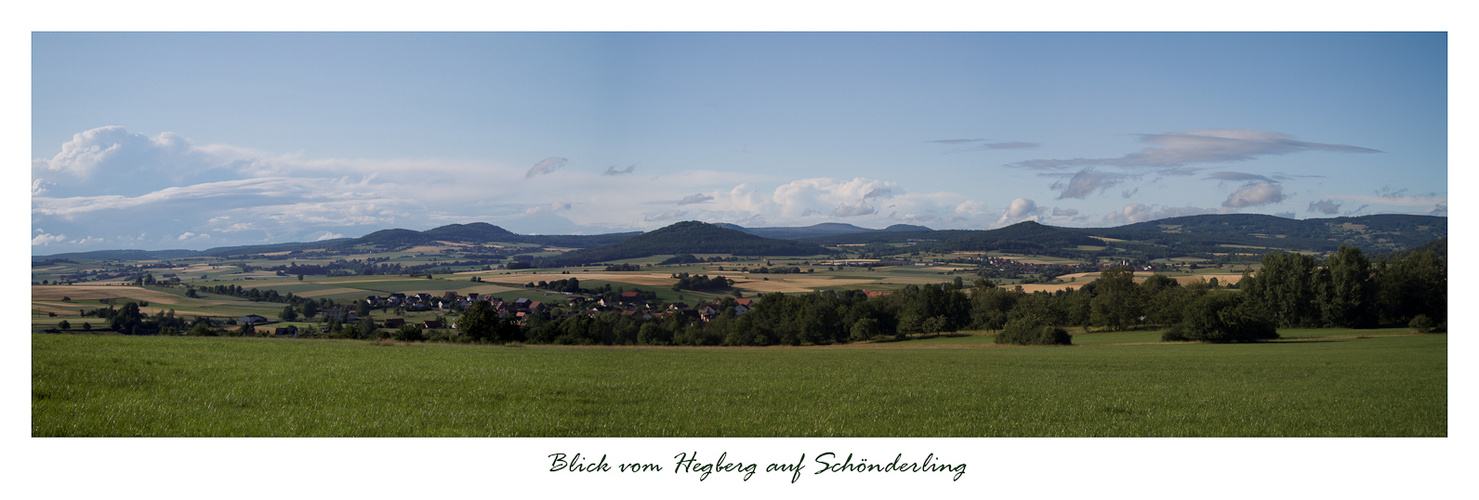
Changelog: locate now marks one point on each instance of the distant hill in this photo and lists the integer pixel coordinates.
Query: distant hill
(1439, 247)
(1372, 233)
(482, 232)
(687, 237)
(815, 230)
(122, 255)
(474, 233)
(1197, 234)
(1020, 237)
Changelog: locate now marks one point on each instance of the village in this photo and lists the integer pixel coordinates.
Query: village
(518, 311)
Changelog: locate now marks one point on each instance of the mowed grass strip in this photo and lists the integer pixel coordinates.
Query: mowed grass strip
(1329, 385)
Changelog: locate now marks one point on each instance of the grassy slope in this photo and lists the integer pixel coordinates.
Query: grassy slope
(1328, 383)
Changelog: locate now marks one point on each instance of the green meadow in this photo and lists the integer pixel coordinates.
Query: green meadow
(1327, 382)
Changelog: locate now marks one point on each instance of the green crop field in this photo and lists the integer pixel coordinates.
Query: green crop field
(1312, 383)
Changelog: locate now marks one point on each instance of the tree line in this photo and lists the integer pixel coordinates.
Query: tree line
(1290, 291)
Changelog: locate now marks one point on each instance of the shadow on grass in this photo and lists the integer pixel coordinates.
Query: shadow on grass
(1301, 340)
(921, 337)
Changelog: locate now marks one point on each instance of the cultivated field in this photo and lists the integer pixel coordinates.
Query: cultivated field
(1313, 383)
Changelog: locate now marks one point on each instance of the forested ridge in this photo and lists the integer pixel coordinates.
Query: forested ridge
(685, 238)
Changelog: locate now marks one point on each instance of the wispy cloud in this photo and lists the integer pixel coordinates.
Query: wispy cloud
(613, 171)
(558, 206)
(1177, 149)
(983, 144)
(695, 198)
(1238, 177)
(665, 215)
(1399, 200)
(545, 166)
(1086, 181)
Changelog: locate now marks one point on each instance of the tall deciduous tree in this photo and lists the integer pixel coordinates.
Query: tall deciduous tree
(1117, 304)
(1284, 289)
(478, 322)
(1412, 285)
(1348, 295)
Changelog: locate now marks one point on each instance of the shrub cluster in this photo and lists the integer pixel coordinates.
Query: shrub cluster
(1221, 317)
(1033, 330)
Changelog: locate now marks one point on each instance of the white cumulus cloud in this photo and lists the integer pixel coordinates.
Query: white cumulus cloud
(860, 208)
(1253, 195)
(1018, 210)
(47, 239)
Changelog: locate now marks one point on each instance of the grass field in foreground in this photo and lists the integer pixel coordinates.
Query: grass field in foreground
(1334, 383)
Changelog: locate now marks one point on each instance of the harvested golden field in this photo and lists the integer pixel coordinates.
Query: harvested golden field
(648, 279)
(1050, 288)
(1035, 260)
(1222, 279)
(438, 247)
(801, 284)
(95, 292)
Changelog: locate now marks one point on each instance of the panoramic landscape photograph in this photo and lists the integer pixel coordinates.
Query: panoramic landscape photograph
(740, 235)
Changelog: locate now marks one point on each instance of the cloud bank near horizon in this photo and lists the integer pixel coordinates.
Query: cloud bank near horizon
(112, 188)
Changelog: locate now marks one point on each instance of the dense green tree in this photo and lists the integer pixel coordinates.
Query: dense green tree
(1221, 317)
(865, 329)
(652, 333)
(1411, 285)
(368, 329)
(1116, 304)
(1163, 299)
(127, 320)
(1033, 329)
(310, 308)
(479, 322)
(1284, 290)
(1348, 290)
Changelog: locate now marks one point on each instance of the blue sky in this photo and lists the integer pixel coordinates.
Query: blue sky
(196, 140)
